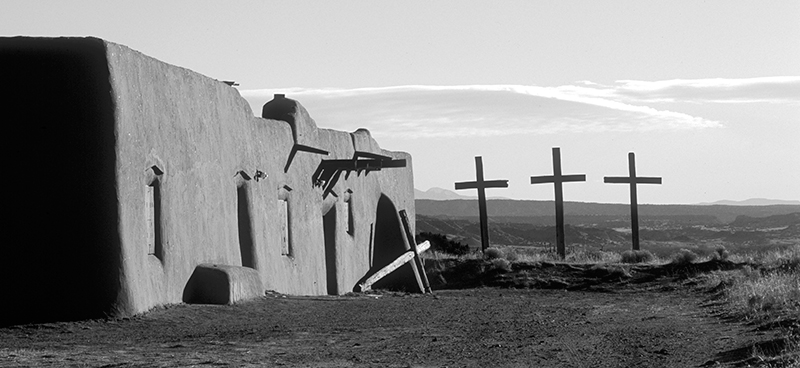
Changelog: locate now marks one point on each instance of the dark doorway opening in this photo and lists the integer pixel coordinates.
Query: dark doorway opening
(245, 227)
(329, 227)
(388, 245)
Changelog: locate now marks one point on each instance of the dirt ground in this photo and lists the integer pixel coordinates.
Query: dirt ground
(652, 322)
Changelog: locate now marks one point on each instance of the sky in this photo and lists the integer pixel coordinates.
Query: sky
(706, 93)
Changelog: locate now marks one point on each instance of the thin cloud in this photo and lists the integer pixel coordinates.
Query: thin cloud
(481, 110)
(782, 90)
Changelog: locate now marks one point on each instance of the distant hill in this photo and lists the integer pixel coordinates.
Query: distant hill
(542, 212)
(744, 231)
(752, 202)
(791, 219)
(441, 194)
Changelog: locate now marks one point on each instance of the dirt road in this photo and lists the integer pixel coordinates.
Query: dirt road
(453, 328)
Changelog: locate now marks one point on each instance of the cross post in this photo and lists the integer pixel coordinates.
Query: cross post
(481, 186)
(632, 179)
(557, 179)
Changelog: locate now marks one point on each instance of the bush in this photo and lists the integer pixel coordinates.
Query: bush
(721, 253)
(501, 264)
(637, 256)
(684, 257)
(511, 255)
(493, 253)
(440, 243)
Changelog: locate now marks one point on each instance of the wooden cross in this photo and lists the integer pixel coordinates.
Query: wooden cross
(633, 180)
(481, 186)
(557, 179)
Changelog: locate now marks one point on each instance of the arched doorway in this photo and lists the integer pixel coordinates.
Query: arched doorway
(388, 245)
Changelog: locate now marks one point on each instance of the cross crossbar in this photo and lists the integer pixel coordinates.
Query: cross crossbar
(559, 179)
(628, 180)
(483, 184)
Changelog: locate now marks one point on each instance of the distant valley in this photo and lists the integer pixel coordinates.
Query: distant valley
(531, 223)
(441, 194)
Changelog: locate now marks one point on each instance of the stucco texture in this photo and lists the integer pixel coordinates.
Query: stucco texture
(187, 175)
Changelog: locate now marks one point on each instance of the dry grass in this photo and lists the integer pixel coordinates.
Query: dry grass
(766, 290)
(525, 254)
(771, 285)
(637, 256)
(684, 257)
(762, 294)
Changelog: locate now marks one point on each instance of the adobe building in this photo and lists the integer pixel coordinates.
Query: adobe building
(137, 183)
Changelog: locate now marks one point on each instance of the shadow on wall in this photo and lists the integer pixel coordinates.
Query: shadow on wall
(388, 244)
(61, 256)
(329, 229)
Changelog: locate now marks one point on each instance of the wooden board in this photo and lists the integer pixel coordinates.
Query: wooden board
(403, 259)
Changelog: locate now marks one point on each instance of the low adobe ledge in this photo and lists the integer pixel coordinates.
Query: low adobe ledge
(222, 284)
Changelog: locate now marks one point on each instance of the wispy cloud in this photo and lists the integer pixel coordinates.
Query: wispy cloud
(783, 90)
(494, 110)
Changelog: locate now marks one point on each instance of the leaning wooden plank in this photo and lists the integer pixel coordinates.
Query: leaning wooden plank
(421, 247)
(426, 286)
(403, 259)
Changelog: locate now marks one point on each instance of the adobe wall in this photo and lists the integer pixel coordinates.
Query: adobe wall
(201, 133)
(207, 147)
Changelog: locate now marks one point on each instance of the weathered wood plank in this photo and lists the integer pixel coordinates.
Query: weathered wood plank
(417, 260)
(403, 259)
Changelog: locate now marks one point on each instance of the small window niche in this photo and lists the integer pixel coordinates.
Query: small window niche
(153, 212)
(244, 220)
(348, 210)
(284, 219)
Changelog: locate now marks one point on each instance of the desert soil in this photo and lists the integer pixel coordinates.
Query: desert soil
(623, 324)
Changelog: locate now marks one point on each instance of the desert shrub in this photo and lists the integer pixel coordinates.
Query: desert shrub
(589, 255)
(493, 253)
(637, 256)
(720, 253)
(530, 256)
(501, 264)
(440, 243)
(684, 257)
(510, 255)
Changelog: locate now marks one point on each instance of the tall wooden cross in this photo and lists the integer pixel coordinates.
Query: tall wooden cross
(633, 180)
(481, 185)
(557, 179)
